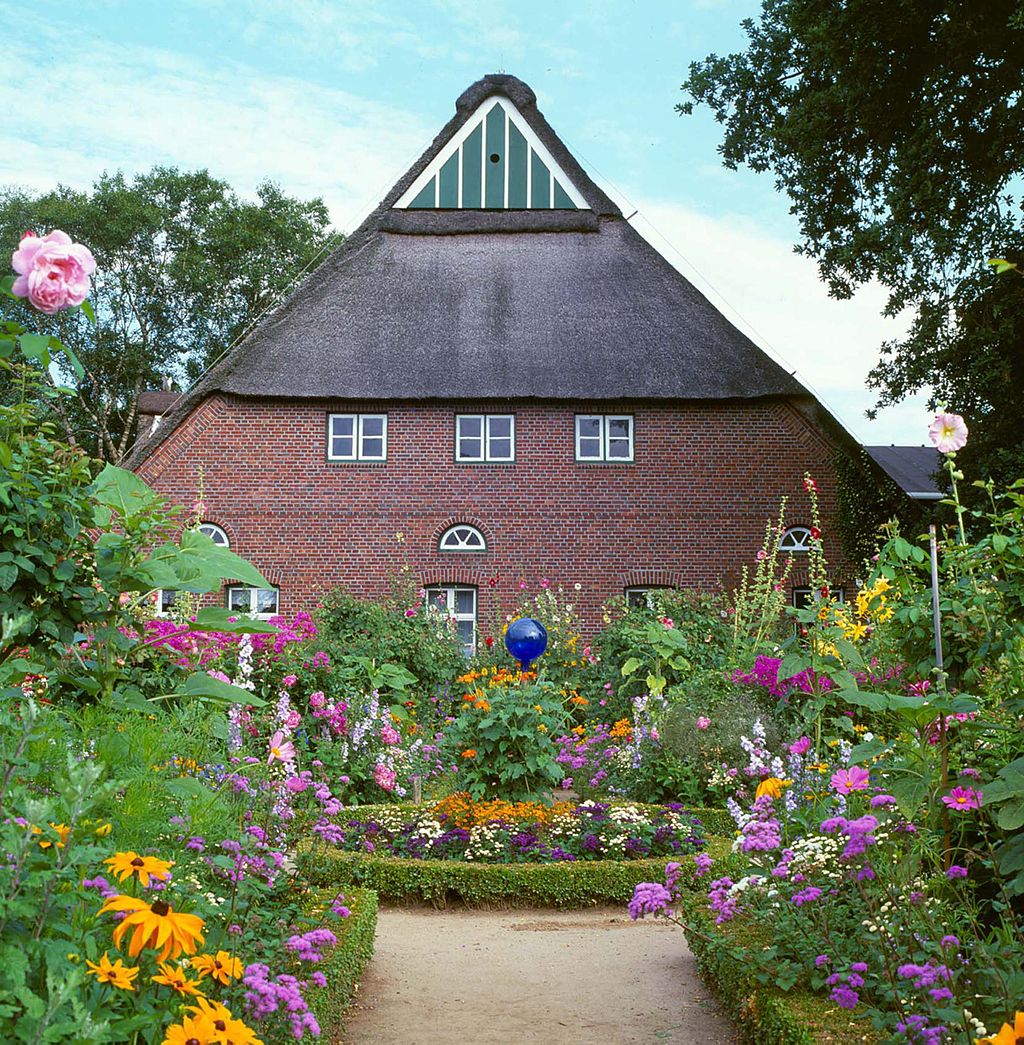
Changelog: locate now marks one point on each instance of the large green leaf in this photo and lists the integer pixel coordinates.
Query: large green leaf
(208, 688)
(216, 618)
(215, 561)
(122, 491)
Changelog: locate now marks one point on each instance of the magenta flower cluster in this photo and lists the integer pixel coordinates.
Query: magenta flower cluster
(765, 673)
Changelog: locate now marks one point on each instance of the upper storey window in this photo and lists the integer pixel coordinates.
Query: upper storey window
(485, 437)
(493, 162)
(357, 437)
(604, 437)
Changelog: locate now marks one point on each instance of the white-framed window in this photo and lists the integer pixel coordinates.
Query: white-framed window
(257, 602)
(640, 596)
(485, 437)
(165, 601)
(458, 601)
(797, 539)
(462, 538)
(215, 533)
(357, 437)
(604, 437)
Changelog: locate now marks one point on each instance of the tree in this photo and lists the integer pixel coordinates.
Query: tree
(896, 130)
(184, 268)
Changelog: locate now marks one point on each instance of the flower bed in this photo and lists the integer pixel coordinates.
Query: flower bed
(457, 828)
(564, 884)
(343, 965)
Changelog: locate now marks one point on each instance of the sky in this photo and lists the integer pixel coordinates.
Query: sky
(336, 98)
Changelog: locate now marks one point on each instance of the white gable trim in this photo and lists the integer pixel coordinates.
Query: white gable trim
(453, 145)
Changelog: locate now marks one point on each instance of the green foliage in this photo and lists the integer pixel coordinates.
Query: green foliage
(422, 644)
(511, 737)
(184, 267)
(898, 174)
(440, 882)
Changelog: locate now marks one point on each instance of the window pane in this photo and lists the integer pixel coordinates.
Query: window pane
(467, 635)
(471, 449)
(499, 426)
(343, 424)
(342, 446)
(470, 426)
(373, 448)
(238, 600)
(588, 426)
(465, 601)
(266, 600)
(618, 448)
(500, 449)
(590, 448)
(373, 425)
(438, 598)
(167, 597)
(619, 427)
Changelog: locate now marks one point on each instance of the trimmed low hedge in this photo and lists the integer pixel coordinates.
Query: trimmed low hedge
(343, 965)
(764, 1014)
(582, 883)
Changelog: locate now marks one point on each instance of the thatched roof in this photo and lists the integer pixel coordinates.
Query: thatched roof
(504, 304)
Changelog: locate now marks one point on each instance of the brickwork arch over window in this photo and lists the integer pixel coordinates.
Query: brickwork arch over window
(796, 539)
(462, 538)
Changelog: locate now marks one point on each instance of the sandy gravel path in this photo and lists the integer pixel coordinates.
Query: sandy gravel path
(468, 977)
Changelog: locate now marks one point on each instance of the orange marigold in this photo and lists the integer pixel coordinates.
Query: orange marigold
(469, 753)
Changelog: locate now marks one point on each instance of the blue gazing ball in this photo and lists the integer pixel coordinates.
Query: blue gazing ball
(526, 639)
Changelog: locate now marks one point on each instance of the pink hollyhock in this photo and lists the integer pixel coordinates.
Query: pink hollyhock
(962, 799)
(281, 749)
(53, 272)
(853, 779)
(703, 722)
(948, 432)
(762, 555)
(801, 746)
(545, 583)
(410, 612)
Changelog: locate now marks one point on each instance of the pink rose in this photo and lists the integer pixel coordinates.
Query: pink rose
(703, 722)
(53, 272)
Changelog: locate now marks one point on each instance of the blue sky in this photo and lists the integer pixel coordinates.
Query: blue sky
(336, 99)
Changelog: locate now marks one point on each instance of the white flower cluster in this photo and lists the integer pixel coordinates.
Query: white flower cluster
(427, 828)
(483, 844)
(818, 855)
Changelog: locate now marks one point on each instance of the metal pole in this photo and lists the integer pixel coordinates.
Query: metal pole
(936, 620)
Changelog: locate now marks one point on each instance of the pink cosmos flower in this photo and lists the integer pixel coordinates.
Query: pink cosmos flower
(948, 432)
(281, 749)
(963, 798)
(703, 722)
(288, 681)
(53, 272)
(853, 779)
(801, 746)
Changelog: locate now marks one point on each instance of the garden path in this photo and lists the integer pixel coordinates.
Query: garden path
(557, 977)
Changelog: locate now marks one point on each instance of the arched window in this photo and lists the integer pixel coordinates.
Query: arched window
(215, 533)
(796, 539)
(462, 538)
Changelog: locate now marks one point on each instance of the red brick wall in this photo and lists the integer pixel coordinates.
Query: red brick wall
(688, 511)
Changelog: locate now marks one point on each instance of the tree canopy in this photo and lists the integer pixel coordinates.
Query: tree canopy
(184, 267)
(896, 131)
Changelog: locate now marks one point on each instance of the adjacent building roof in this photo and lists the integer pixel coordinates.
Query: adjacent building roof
(912, 468)
(433, 299)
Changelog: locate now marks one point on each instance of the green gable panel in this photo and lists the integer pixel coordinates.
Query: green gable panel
(540, 187)
(471, 168)
(425, 197)
(494, 160)
(448, 183)
(518, 153)
(562, 201)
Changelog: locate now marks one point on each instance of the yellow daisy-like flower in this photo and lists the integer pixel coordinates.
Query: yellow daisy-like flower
(176, 979)
(772, 786)
(221, 966)
(145, 867)
(157, 926)
(1007, 1035)
(103, 830)
(193, 1030)
(229, 1030)
(117, 974)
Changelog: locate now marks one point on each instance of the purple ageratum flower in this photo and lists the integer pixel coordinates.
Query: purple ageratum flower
(721, 902)
(879, 801)
(846, 781)
(703, 862)
(649, 898)
(949, 941)
(308, 946)
(916, 1030)
(956, 871)
(821, 961)
(859, 967)
(834, 824)
(844, 996)
(808, 895)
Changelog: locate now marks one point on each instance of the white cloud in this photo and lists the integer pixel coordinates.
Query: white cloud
(775, 297)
